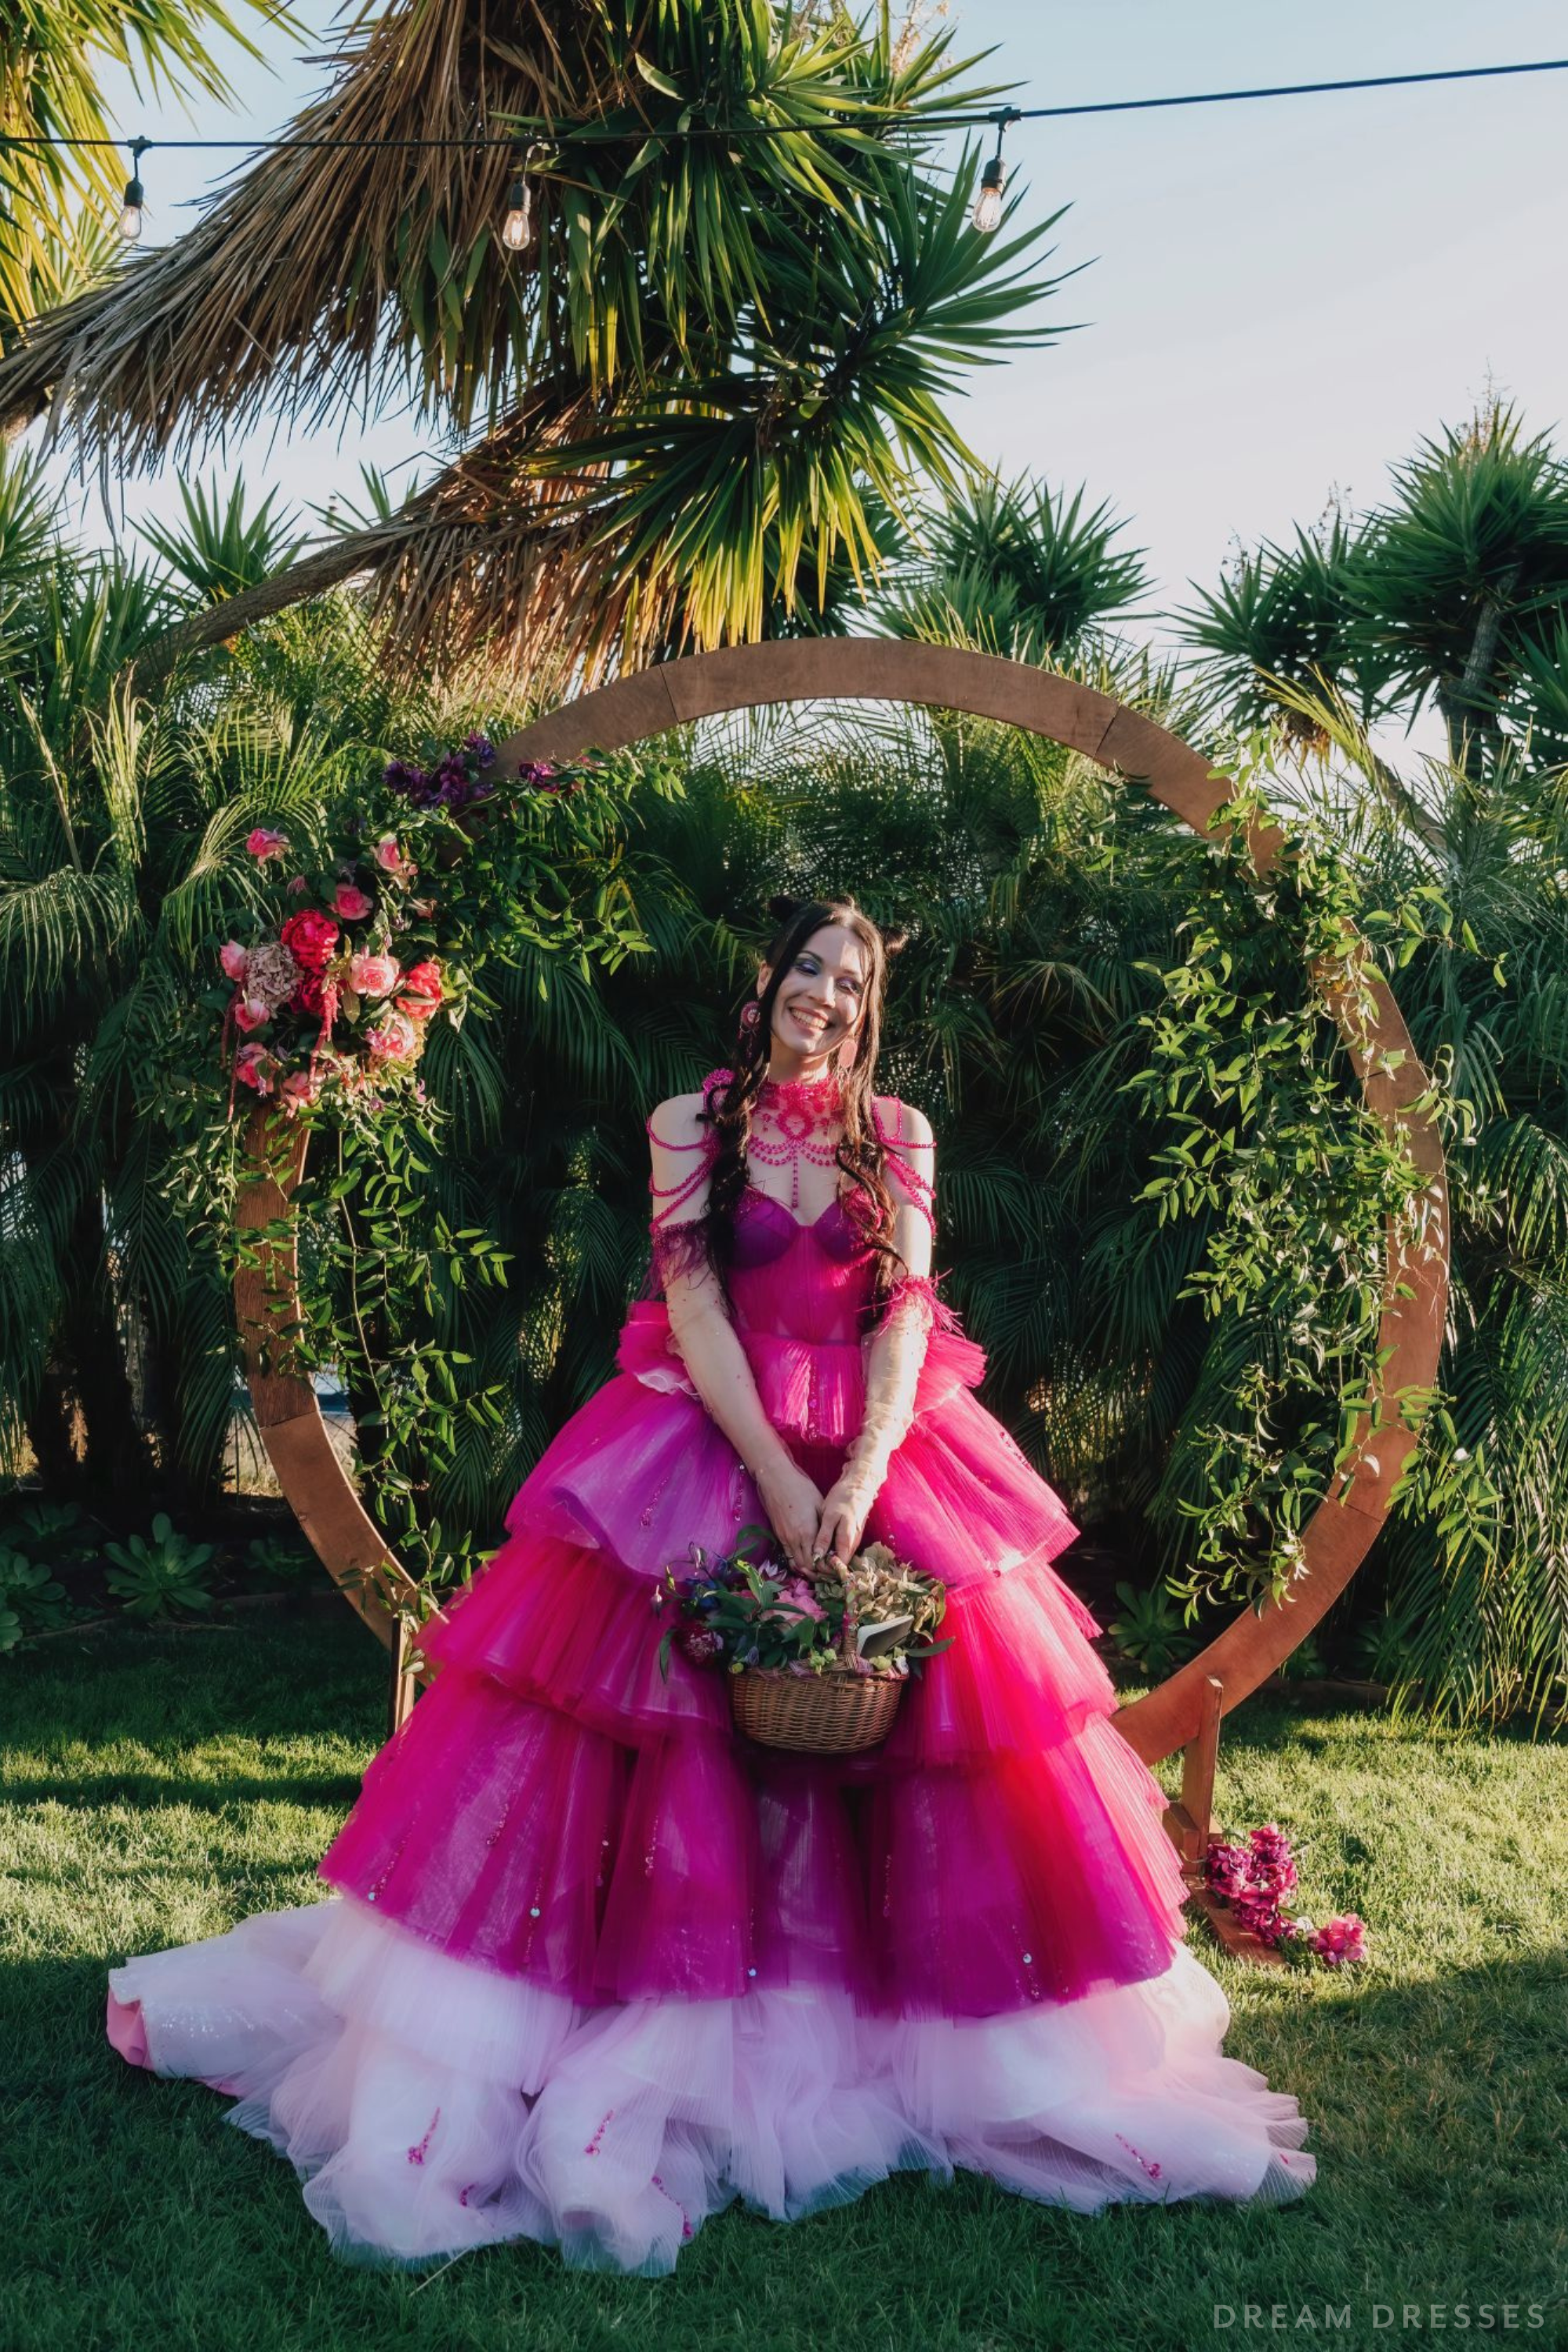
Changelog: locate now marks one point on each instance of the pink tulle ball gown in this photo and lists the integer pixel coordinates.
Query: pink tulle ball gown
(593, 1964)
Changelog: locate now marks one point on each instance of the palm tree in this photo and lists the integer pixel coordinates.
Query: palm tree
(1455, 591)
(119, 859)
(742, 299)
(1014, 569)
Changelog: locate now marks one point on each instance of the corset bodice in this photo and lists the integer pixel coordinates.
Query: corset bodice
(795, 1279)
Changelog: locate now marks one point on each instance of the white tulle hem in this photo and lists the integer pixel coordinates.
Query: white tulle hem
(430, 2106)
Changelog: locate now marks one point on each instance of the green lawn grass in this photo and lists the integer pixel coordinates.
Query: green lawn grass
(160, 1787)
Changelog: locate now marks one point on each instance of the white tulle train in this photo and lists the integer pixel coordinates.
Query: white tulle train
(430, 2106)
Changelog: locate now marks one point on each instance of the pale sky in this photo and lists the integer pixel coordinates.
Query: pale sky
(1280, 299)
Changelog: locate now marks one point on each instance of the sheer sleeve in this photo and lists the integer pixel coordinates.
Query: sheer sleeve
(677, 1186)
(906, 1138)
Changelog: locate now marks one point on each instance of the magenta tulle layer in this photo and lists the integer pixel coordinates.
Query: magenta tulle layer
(560, 1809)
(642, 1471)
(595, 1963)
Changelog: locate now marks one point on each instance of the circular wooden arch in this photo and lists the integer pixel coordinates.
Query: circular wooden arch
(1341, 1530)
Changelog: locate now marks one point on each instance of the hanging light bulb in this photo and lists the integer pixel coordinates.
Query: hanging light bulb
(987, 212)
(518, 218)
(517, 226)
(135, 196)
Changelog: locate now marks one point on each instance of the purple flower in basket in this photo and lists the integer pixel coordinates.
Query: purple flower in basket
(699, 1643)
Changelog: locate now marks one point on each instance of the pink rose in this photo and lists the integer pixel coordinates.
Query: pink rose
(265, 841)
(249, 1012)
(231, 955)
(419, 990)
(373, 975)
(295, 886)
(254, 1066)
(352, 903)
(394, 1039)
(1343, 1940)
(310, 938)
(298, 1086)
(389, 856)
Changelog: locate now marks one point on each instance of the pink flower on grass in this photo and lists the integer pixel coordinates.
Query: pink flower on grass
(231, 955)
(265, 841)
(1343, 1940)
(373, 975)
(1228, 1868)
(351, 902)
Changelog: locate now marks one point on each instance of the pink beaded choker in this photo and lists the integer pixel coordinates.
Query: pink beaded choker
(819, 1096)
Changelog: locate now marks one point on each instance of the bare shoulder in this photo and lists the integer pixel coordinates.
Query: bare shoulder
(903, 1122)
(678, 1120)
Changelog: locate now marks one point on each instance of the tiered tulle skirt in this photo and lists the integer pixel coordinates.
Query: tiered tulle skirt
(594, 1964)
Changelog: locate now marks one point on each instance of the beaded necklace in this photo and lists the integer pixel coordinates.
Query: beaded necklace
(803, 1118)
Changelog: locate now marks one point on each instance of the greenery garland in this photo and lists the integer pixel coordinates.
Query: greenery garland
(395, 920)
(1307, 1202)
(1261, 1143)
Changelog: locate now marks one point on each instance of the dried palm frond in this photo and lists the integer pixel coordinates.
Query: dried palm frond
(59, 172)
(600, 527)
(674, 144)
(280, 296)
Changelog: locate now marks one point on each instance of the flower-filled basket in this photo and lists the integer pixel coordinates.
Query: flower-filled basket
(816, 1664)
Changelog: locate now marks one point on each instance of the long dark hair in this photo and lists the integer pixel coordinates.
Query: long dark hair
(728, 1107)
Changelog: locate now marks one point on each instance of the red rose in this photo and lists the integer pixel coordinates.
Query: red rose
(310, 938)
(419, 990)
(306, 997)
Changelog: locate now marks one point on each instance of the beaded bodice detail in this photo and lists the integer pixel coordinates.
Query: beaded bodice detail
(797, 1120)
(792, 1275)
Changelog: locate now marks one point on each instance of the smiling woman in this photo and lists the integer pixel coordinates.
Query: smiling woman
(597, 1960)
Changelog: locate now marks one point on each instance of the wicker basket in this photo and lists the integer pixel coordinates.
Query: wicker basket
(830, 1714)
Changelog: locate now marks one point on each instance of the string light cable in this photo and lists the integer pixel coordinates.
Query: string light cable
(529, 140)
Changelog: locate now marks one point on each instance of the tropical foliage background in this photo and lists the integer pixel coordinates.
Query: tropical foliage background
(710, 401)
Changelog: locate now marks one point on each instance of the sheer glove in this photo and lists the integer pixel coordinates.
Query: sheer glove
(895, 1353)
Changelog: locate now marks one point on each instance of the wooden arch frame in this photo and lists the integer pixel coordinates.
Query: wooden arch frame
(1185, 1708)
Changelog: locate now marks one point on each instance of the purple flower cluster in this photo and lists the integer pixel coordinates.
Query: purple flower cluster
(456, 780)
(1254, 1880)
(545, 777)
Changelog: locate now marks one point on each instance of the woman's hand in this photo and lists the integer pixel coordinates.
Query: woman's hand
(794, 1506)
(845, 1510)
